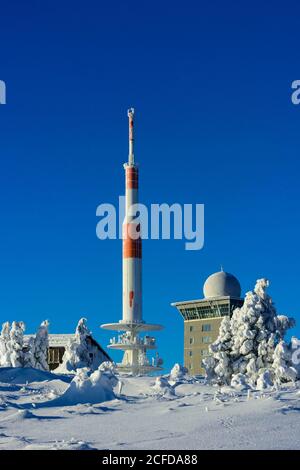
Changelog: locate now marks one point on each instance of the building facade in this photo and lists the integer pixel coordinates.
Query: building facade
(202, 317)
(58, 344)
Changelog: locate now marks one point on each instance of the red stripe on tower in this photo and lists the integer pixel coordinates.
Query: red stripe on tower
(132, 177)
(132, 242)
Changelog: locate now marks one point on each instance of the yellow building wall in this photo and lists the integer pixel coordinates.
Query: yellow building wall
(197, 341)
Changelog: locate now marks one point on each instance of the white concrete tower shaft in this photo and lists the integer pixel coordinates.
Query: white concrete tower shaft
(132, 243)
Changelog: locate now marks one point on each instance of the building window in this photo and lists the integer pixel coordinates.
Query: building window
(191, 340)
(191, 328)
(204, 352)
(190, 353)
(206, 339)
(206, 327)
(53, 356)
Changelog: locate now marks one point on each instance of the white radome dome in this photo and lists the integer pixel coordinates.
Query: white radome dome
(221, 284)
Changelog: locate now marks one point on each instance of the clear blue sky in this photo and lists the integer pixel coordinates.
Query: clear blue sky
(211, 84)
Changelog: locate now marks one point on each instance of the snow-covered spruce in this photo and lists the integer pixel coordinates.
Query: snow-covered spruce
(165, 385)
(14, 346)
(78, 353)
(39, 347)
(250, 349)
(13, 351)
(4, 339)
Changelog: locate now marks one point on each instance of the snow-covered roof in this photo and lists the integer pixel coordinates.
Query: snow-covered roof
(62, 340)
(59, 340)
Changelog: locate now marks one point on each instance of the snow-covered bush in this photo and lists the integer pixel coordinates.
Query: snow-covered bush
(162, 388)
(238, 381)
(87, 387)
(79, 352)
(250, 349)
(39, 347)
(178, 373)
(264, 379)
(108, 370)
(284, 372)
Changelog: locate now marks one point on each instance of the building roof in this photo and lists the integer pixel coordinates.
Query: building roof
(59, 340)
(206, 301)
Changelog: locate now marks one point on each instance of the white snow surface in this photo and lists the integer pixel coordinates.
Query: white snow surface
(35, 414)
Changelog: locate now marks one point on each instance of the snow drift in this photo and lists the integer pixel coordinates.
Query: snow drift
(87, 387)
(22, 376)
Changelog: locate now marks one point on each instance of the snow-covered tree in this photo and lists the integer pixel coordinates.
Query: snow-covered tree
(4, 339)
(28, 358)
(12, 350)
(39, 347)
(250, 349)
(77, 353)
(295, 354)
(15, 352)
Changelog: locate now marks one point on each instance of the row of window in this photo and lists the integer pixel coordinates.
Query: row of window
(205, 339)
(191, 365)
(191, 313)
(203, 352)
(205, 327)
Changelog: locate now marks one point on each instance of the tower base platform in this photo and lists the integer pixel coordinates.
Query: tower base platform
(135, 347)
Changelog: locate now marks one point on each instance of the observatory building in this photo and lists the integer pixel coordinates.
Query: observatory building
(135, 347)
(202, 318)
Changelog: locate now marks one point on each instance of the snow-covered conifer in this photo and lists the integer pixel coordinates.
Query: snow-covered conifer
(28, 357)
(39, 347)
(15, 351)
(4, 339)
(77, 353)
(250, 348)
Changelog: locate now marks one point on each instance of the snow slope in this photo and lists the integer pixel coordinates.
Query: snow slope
(196, 416)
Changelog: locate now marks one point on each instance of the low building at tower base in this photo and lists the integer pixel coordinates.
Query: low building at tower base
(58, 344)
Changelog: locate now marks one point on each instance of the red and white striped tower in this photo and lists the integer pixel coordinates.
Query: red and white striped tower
(134, 346)
(132, 242)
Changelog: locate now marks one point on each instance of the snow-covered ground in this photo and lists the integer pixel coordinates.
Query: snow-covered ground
(197, 416)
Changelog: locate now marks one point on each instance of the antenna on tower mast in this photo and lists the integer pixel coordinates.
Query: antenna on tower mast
(130, 114)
